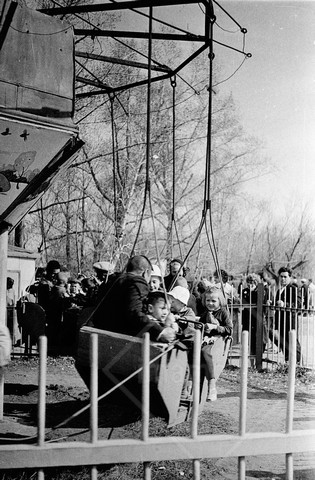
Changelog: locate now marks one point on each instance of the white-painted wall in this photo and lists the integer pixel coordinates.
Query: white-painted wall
(21, 267)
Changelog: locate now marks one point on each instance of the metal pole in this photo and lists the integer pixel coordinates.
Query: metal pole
(145, 386)
(290, 400)
(243, 402)
(259, 326)
(3, 299)
(196, 398)
(94, 387)
(146, 337)
(146, 399)
(42, 397)
(196, 384)
(42, 389)
(93, 396)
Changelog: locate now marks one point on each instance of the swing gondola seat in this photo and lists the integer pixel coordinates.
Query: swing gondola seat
(120, 355)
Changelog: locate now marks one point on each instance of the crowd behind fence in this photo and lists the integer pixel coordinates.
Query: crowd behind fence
(269, 324)
(268, 327)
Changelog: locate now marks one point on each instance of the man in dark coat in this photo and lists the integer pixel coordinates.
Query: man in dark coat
(176, 270)
(121, 308)
(285, 320)
(46, 283)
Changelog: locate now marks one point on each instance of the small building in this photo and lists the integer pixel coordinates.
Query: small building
(21, 267)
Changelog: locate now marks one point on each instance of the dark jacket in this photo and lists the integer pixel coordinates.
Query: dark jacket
(290, 296)
(168, 281)
(120, 309)
(43, 293)
(222, 315)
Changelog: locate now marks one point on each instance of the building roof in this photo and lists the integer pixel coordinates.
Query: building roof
(19, 252)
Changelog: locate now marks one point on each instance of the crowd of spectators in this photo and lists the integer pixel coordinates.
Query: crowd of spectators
(119, 301)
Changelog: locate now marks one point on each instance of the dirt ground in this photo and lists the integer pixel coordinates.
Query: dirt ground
(66, 393)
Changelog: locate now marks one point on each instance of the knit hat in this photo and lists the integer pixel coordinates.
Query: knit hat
(156, 272)
(52, 265)
(104, 266)
(176, 260)
(181, 282)
(180, 293)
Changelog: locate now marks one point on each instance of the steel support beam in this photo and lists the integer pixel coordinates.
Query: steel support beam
(123, 87)
(88, 32)
(120, 61)
(107, 7)
(94, 83)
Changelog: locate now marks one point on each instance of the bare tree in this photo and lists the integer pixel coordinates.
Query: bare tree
(96, 209)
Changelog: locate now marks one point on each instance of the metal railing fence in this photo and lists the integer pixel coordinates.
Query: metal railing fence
(269, 321)
(268, 327)
(154, 449)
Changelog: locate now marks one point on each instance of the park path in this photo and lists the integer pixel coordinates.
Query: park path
(266, 412)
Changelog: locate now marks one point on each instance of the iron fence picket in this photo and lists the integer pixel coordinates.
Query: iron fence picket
(290, 400)
(94, 398)
(271, 335)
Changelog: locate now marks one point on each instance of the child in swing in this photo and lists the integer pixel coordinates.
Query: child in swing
(157, 308)
(217, 322)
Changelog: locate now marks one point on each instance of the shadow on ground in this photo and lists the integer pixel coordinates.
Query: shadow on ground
(298, 475)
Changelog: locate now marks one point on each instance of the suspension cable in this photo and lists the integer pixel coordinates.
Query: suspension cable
(209, 134)
(190, 250)
(173, 84)
(207, 193)
(158, 257)
(43, 228)
(173, 220)
(112, 98)
(148, 139)
(206, 200)
(243, 30)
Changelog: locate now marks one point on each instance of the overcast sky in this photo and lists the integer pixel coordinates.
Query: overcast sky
(274, 90)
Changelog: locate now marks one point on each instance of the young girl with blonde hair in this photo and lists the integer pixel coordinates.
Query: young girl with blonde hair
(217, 323)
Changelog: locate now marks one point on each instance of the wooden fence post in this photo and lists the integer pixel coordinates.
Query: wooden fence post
(259, 326)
